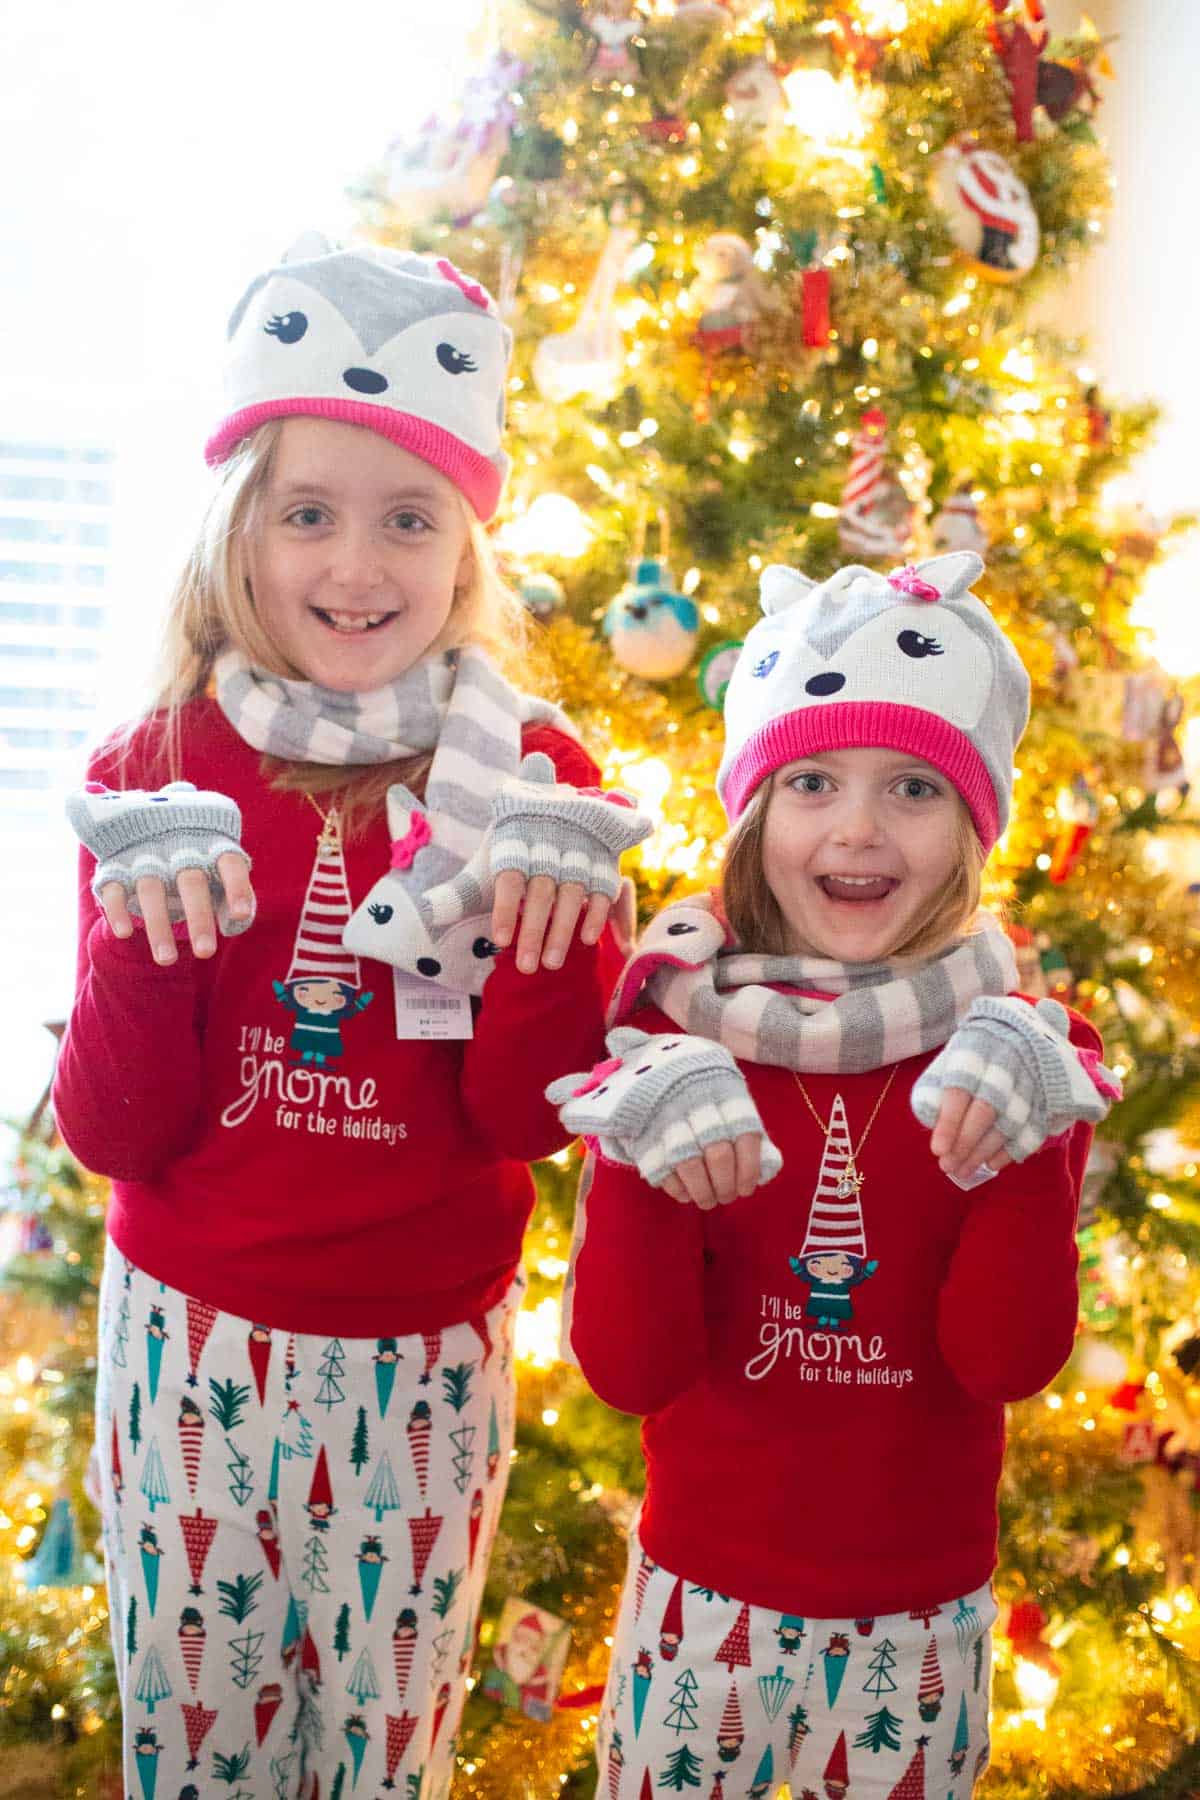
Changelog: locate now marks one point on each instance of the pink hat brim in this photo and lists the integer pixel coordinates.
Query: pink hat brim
(866, 724)
(470, 471)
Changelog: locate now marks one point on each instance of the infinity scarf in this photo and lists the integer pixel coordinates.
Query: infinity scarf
(456, 704)
(830, 1017)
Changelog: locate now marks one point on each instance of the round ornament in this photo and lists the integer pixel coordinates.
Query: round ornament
(987, 208)
(652, 629)
(541, 594)
(715, 671)
(755, 98)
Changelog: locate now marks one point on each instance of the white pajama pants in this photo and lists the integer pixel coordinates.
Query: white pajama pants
(297, 1530)
(706, 1692)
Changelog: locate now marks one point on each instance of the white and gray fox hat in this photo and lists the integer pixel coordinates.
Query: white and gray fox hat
(402, 344)
(910, 661)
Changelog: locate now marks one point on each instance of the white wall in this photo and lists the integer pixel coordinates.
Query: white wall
(1138, 299)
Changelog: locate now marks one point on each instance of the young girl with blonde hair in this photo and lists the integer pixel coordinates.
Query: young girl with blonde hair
(824, 1364)
(305, 1403)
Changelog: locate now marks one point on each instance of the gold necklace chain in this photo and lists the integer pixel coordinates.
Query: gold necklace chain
(331, 824)
(852, 1179)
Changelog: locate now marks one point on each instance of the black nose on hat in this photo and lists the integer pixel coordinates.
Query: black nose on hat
(824, 684)
(364, 381)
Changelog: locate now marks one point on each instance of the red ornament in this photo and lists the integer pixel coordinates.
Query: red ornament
(814, 308)
(1020, 49)
(669, 129)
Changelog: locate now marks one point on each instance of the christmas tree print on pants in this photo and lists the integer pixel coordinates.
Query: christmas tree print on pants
(740, 1698)
(295, 1572)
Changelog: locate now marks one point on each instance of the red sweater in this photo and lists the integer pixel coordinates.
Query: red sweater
(844, 1472)
(382, 1194)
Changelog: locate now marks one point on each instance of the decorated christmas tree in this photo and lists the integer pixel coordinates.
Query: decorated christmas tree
(773, 271)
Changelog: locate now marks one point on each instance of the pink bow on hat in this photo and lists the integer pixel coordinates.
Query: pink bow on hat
(909, 582)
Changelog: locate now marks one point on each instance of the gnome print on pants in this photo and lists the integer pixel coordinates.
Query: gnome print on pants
(833, 1256)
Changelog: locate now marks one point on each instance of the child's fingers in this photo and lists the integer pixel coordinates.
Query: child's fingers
(235, 879)
(152, 898)
(567, 908)
(506, 905)
(673, 1186)
(721, 1162)
(747, 1151)
(535, 916)
(989, 1150)
(116, 909)
(693, 1179)
(976, 1124)
(196, 898)
(595, 919)
(955, 1102)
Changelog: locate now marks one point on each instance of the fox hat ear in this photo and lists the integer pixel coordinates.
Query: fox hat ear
(951, 574)
(402, 809)
(780, 587)
(308, 246)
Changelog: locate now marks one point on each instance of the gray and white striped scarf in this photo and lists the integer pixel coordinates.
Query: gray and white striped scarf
(455, 704)
(832, 1017)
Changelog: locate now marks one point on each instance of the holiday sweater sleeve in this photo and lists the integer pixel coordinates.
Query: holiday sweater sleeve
(128, 1093)
(532, 1027)
(638, 1326)
(1009, 1306)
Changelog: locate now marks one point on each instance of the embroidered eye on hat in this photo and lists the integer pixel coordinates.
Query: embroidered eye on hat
(404, 345)
(911, 661)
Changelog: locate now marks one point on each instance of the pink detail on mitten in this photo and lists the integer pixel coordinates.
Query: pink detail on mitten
(909, 582)
(598, 1076)
(415, 838)
(1102, 1079)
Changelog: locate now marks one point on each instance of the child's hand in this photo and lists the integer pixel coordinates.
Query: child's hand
(725, 1172)
(548, 913)
(965, 1139)
(554, 853)
(166, 857)
(677, 1109)
(194, 893)
(1019, 1080)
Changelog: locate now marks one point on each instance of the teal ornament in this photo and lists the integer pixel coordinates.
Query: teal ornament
(651, 628)
(541, 594)
(58, 1560)
(715, 671)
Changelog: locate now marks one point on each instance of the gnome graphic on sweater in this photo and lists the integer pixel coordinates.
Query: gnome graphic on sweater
(322, 989)
(833, 1257)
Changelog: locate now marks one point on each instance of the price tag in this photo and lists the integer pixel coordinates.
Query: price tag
(427, 1012)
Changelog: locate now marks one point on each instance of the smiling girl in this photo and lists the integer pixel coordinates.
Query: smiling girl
(824, 1364)
(319, 1180)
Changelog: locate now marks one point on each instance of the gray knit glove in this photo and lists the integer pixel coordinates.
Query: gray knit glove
(1021, 1061)
(658, 1101)
(136, 834)
(541, 826)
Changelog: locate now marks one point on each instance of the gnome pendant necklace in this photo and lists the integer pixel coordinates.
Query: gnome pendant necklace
(850, 1182)
(331, 825)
